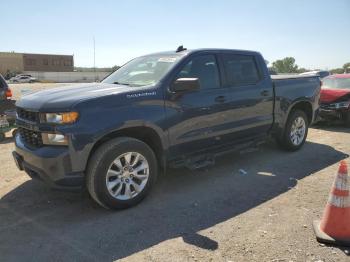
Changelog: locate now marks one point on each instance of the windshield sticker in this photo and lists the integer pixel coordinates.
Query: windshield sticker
(167, 59)
(141, 94)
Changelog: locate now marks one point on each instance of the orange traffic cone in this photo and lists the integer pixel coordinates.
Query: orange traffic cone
(334, 227)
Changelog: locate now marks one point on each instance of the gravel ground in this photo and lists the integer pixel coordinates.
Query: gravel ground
(219, 214)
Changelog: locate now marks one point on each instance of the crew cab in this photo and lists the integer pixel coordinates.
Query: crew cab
(169, 109)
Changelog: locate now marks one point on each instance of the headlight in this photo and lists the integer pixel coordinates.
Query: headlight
(54, 139)
(341, 105)
(61, 118)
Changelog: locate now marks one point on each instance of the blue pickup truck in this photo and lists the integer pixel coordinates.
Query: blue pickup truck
(169, 109)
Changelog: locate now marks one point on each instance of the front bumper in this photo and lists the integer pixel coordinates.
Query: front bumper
(332, 114)
(52, 164)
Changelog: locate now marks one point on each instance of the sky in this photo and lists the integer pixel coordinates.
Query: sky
(315, 32)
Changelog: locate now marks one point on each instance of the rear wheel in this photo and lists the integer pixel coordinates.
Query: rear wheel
(295, 132)
(121, 173)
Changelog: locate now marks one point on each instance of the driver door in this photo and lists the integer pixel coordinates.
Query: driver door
(195, 117)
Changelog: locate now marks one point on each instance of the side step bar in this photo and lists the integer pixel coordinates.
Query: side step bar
(202, 160)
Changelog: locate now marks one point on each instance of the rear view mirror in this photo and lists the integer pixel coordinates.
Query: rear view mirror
(185, 84)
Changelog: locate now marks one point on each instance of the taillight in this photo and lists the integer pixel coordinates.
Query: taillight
(8, 93)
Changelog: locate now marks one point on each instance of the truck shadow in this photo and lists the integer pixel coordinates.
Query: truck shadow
(39, 224)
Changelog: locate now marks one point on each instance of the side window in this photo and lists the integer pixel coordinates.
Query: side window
(240, 70)
(205, 69)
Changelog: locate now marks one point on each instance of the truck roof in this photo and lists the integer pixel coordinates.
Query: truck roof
(199, 50)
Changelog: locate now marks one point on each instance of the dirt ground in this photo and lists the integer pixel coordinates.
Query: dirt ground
(219, 214)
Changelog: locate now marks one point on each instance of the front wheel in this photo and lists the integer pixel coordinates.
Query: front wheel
(295, 132)
(121, 173)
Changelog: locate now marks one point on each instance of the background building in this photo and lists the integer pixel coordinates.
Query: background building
(21, 62)
(11, 61)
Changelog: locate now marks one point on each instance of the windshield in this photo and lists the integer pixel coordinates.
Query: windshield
(339, 83)
(143, 71)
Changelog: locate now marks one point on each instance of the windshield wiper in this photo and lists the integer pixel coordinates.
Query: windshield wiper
(118, 83)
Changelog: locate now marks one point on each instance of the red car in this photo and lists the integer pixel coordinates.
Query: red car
(335, 98)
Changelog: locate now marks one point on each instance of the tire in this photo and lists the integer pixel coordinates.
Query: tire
(101, 171)
(286, 141)
(2, 137)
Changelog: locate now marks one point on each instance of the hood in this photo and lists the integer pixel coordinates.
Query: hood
(329, 95)
(65, 97)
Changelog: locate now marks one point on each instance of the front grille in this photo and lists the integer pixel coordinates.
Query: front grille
(327, 106)
(30, 137)
(27, 115)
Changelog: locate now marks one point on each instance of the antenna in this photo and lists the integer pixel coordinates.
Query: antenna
(180, 49)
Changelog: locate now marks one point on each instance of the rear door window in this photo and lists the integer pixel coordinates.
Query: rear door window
(240, 70)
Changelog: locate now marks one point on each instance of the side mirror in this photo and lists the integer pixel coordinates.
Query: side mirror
(185, 84)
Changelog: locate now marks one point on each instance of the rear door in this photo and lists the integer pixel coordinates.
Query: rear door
(250, 96)
(195, 117)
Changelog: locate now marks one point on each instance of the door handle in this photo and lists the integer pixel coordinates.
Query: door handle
(220, 99)
(265, 93)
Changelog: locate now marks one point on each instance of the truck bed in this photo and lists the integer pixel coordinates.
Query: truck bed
(291, 88)
(284, 77)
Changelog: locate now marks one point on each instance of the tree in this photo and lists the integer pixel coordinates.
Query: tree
(337, 71)
(285, 65)
(302, 70)
(341, 70)
(346, 67)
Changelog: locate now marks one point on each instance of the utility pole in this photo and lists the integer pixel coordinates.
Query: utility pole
(94, 60)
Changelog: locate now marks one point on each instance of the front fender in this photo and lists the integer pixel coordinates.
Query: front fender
(99, 118)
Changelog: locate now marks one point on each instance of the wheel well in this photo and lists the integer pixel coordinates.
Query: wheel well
(306, 108)
(145, 134)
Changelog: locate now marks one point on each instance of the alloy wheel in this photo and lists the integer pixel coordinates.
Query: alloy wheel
(127, 176)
